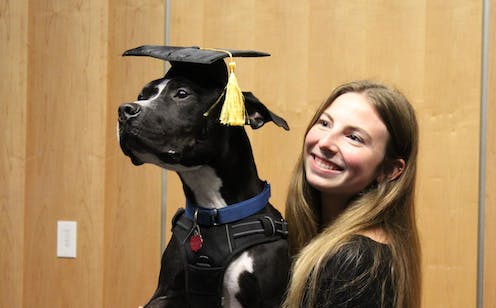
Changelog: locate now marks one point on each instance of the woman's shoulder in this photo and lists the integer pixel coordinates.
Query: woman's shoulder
(358, 274)
(361, 247)
(359, 256)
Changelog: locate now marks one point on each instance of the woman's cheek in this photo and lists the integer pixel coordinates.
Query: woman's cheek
(311, 138)
(353, 159)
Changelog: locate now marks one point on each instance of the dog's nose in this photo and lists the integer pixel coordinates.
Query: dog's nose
(128, 111)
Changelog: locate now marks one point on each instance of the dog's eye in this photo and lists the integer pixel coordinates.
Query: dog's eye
(181, 93)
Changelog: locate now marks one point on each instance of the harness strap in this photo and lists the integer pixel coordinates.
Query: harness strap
(260, 225)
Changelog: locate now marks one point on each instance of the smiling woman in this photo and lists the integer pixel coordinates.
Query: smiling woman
(344, 148)
(350, 204)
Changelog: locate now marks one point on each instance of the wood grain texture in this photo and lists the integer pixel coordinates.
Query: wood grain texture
(65, 168)
(63, 78)
(430, 50)
(133, 194)
(13, 92)
(490, 198)
(448, 193)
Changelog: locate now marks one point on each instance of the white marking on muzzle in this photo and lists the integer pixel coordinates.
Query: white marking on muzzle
(148, 103)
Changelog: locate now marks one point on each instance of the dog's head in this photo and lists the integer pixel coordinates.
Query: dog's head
(167, 125)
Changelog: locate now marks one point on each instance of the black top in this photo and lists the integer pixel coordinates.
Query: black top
(351, 279)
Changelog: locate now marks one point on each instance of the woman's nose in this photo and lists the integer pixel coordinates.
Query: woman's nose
(328, 143)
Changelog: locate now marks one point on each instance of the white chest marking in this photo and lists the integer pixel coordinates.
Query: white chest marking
(206, 185)
(244, 263)
(202, 180)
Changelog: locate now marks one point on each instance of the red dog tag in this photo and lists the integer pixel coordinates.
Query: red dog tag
(196, 242)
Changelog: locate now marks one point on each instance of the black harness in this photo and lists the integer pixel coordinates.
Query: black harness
(205, 262)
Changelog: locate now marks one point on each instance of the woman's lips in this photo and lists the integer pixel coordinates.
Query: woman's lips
(326, 164)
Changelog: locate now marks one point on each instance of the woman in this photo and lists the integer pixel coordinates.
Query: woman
(350, 205)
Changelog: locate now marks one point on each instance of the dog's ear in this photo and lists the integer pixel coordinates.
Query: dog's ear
(259, 114)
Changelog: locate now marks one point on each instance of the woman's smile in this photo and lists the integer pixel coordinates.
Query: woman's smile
(326, 165)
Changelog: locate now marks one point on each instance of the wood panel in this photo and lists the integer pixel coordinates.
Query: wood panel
(448, 193)
(428, 49)
(65, 160)
(13, 76)
(489, 285)
(61, 158)
(132, 201)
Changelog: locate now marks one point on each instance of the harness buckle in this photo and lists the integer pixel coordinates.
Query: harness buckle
(270, 229)
(284, 228)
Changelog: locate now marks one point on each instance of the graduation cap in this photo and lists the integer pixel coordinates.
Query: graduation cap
(206, 62)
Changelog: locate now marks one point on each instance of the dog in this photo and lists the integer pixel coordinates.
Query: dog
(229, 246)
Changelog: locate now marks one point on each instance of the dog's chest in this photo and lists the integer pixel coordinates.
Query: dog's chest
(213, 270)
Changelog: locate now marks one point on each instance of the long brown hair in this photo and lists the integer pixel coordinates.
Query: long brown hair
(388, 205)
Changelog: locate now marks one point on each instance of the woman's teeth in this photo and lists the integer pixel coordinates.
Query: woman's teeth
(326, 164)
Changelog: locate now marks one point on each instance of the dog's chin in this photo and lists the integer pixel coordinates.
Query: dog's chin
(135, 160)
(144, 151)
(164, 160)
(139, 158)
(133, 155)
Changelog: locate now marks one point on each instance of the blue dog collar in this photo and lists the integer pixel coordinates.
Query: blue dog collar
(233, 212)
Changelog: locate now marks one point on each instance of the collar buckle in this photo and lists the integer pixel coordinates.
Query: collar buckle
(214, 217)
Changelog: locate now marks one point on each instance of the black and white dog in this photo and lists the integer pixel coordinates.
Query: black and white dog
(229, 246)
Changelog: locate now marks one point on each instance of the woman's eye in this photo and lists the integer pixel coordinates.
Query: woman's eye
(355, 138)
(323, 123)
(181, 93)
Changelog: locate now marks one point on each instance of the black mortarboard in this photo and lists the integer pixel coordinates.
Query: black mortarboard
(210, 62)
(190, 54)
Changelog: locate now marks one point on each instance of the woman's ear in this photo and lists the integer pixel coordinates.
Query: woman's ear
(391, 170)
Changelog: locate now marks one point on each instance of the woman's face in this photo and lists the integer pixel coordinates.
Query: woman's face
(345, 147)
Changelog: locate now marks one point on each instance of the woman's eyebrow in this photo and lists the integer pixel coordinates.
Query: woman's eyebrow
(328, 115)
(350, 127)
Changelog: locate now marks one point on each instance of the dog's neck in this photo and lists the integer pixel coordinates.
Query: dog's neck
(229, 179)
(203, 186)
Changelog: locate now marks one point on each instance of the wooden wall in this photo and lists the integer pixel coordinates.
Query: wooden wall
(13, 105)
(489, 282)
(63, 78)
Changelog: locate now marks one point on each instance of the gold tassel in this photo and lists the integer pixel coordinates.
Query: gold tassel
(233, 110)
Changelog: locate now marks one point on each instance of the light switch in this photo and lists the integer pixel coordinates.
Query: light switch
(66, 239)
